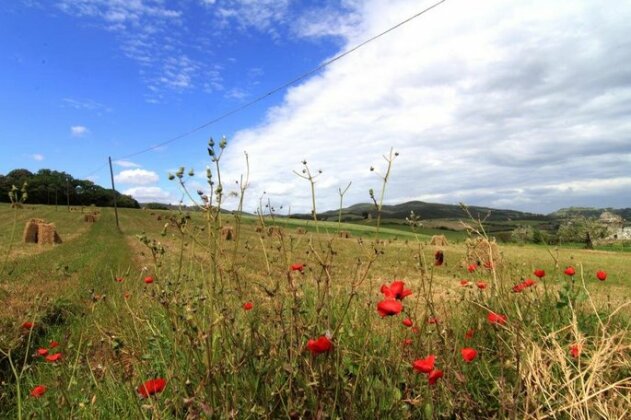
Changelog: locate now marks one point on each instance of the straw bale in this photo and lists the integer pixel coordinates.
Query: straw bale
(300, 231)
(227, 233)
(344, 234)
(439, 240)
(47, 234)
(259, 229)
(271, 230)
(89, 218)
(30, 231)
(481, 251)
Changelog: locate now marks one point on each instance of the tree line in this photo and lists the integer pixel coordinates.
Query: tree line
(47, 186)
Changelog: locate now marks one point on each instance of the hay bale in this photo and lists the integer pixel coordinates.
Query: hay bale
(159, 218)
(16, 205)
(30, 231)
(273, 230)
(481, 251)
(259, 229)
(439, 240)
(344, 234)
(47, 234)
(89, 218)
(301, 231)
(227, 233)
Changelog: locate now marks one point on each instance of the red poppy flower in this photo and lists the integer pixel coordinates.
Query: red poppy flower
(488, 265)
(119, 279)
(408, 322)
(297, 267)
(389, 307)
(415, 330)
(42, 352)
(53, 344)
(38, 391)
(52, 358)
(601, 275)
(471, 268)
(539, 273)
(481, 285)
(28, 325)
(434, 375)
(468, 354)
(518, 288)
(529, 283)
(494, 318)
(148, 279)
(439, 258)
(432, 320)
(469, 334)
(570, 271)
(407, 342)
(424, 365)
(575, 350)
(126, 295)
(151, 387)
(464, 282)
(321, 345)
(248, 305)
(396, 290)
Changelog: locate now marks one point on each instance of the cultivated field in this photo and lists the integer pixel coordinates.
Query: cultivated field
(282, 320)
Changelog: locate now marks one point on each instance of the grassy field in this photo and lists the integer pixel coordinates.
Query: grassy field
(164, 299)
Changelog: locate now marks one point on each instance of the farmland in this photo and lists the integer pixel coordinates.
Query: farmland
(165, 298)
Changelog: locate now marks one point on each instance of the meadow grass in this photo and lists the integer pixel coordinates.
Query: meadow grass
(187, 324)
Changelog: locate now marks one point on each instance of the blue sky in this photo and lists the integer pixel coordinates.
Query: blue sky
(512, 104)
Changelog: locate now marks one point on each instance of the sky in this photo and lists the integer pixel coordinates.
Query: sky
(502, 103)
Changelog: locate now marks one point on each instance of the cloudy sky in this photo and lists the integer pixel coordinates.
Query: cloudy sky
(510, 104)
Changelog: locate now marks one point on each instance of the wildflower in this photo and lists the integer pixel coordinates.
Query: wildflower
(494, 318)
(468, 354)
(42, 352)
(471, 268)
(119, 279)
(321, 345)
(151, 387)
(601, 275)
(439, 258)
(434, 375)
(408, 322)
(539, 273)
(126, 295)
(415, 330)
(570, 271)
(52, 358)
(38, 391)
(297, 267)
(148, 279)
(518, 288)
(488, 265)
(248, 305)
(407, 342)
(481, 285)
(469, 334)
(396, 290)
(53, 344)
(464, 282)
(529, 283)
(28, 325)
(575, 350)
(424, 365)
(432, 320)
(389, 307)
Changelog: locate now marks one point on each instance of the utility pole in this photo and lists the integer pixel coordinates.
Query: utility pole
(114, 192)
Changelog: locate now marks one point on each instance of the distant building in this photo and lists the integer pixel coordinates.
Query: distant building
(615, 226)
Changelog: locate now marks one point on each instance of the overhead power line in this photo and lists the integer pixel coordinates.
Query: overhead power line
(282, 86)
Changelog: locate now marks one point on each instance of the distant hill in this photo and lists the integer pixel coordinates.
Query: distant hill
(589, 212)
(425, 211)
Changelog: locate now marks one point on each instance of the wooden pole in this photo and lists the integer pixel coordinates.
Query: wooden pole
(114, 192)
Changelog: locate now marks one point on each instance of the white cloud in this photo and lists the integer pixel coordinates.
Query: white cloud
(126, 164)
(38, 157)
(146, 194)
(136, 177)
(496, 98)
(78, 130)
